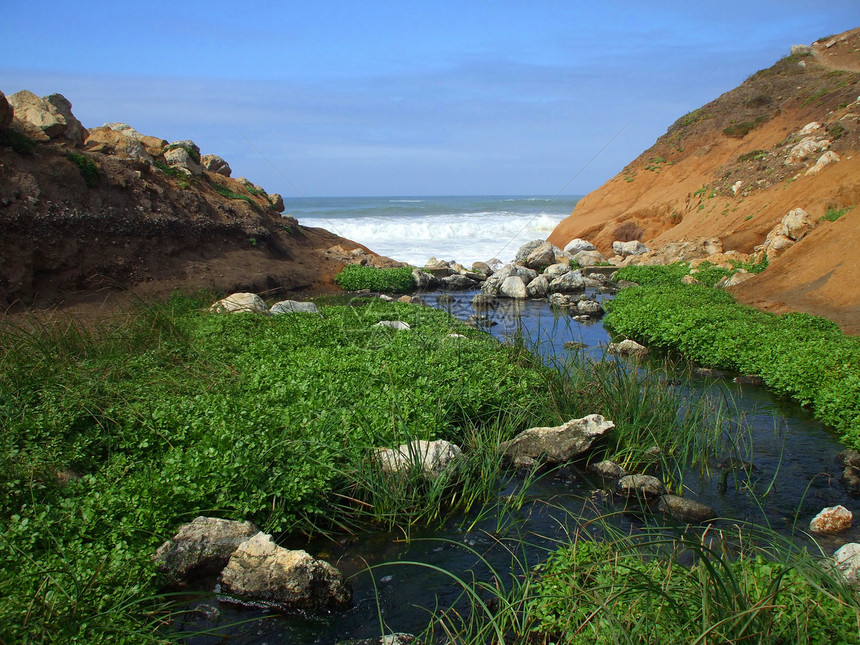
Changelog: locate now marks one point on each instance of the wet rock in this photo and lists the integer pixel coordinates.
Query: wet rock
(513, 287)
(457, 282)
(574, 345)
(641, 486)
(538, 287)
(482, 268)
(398, 325)
(214, 163)
(851, 480)
(261, 571)
(590, 308)
(577, 244)
(685, 510)
(709, 372)
(748, 379)
(433, 458)
(628, 348)
(241, 303)
(847, 559)
(832, 519)
(607, 469)
(293, 306)
(570, 282)
(555, 270)
(561, 300)
(478, 321)
(541, 256)
(482, 300)
(495, 281)
(201, 548)
(557, 444)
(444, 299)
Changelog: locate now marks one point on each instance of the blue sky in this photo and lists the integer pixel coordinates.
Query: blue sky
(404, 98)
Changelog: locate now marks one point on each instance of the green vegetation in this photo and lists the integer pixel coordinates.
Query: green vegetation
(633, 591)
(256, 192)
(654, 164)
(20, 143)
(815, 96)
(701, 191)
(88, 168)
(742, 129)
(355, 277)
(836, 131)
(183, 180)
(834, 213)
(691, 118)
(229, 194)
(753, 155)
(798, 355)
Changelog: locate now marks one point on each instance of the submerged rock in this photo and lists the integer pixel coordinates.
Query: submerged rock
(685, 510)
(260, 570)
(201, 548)
(607, 469)
(557, 444)
(642, 486)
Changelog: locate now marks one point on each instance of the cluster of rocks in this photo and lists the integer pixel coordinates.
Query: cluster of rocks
(250, 567)
(793, 227)
(252, 303)
(50, 119)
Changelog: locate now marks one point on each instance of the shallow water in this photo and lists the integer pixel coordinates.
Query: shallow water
(795, 476)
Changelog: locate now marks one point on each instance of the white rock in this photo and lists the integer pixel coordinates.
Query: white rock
(832, 519)
(633, 247)
(809, 128)
(241, 303)
(627, 348)
(393, 324)
(513, 287)
(826, 159)
(294, 306)
(433, 458)
(847, 559)
(806, 148)
(577, 244)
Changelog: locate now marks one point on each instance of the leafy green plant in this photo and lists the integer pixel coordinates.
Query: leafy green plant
(739, 130)
(753, 155)
(256, 192)
(229, 194)
(836, 130)
(355, 277)
(88, 168)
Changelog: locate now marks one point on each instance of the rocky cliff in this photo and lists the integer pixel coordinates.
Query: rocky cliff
(87, 214)
(725, 176)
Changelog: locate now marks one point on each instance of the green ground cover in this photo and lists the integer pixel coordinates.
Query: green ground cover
(805, 357)
(395, 280)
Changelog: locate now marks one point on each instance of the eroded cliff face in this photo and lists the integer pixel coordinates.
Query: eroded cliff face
(788, 137)
(86, 215)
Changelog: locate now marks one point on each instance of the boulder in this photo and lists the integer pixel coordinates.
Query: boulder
(577, 244)
(641, 486)
(457, 282)
(214, 163)
(555, 270)
(812, 126)
(6, 112)
(241, 303)
(524, 251)
(795, 224)
(47, 118)
(633, 247)
(541, 257)
(154, 145)
(734, 279)
(191, 148)
(808, 147)
(277, 202)
(201, 548)
(824, 160)
(628, 348)
(293, 306)
(261, 571)
(557, 444)
(589, 258)
(847, 559)
(589, 308)
(494, 282)
(538, 287)
(398, 325)
(568, 283)
(433, 458)
(115, 142)
(685, 510)
(423, 280)
(482, 269)
(179, 158)
(832, 519)
(513, 287)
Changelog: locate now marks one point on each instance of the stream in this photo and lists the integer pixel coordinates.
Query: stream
(795, 476)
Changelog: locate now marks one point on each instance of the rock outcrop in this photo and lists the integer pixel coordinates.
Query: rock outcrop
(46, 118)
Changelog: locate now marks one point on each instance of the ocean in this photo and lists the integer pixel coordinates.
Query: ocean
(412, 229)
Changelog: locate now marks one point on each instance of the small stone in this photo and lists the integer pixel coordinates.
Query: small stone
(628, 348)
(645, 486)
(832, 519)
(607, 469)
(241, 303)
(294, 306)
(393, 324)
(685, 510)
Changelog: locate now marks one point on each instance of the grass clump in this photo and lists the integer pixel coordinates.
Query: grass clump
(355, 277)
(88, 168)
(834, 213)
(20, 143)
(753, 155)
(230, 194)
(804, 357)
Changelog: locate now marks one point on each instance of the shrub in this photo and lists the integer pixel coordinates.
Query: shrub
(20, 143)
(834, 213)
(355, 277)
(753, 155)
(739, 130)
(88, 168)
